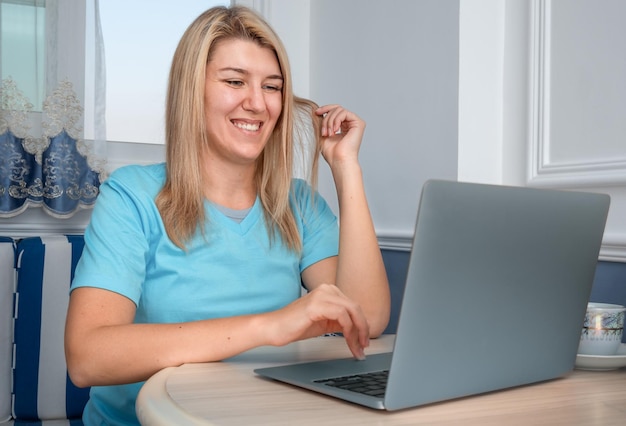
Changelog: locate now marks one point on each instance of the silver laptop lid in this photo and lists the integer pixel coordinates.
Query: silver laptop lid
(496, 291)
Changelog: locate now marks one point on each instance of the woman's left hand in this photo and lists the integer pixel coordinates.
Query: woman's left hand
(342, 132)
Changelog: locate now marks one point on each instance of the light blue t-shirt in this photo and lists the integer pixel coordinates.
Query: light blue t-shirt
(233, 269)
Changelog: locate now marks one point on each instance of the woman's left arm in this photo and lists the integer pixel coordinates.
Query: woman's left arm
(360, 272)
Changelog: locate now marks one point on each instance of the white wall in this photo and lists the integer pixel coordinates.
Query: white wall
(494, 91)
(552, 99)
(481, 82)
(577, 104)
(397, 67)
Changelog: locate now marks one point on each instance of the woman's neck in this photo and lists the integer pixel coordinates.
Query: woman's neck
(231, 187)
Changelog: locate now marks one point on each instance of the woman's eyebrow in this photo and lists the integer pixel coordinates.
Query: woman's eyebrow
(245, 72)
(234, 69)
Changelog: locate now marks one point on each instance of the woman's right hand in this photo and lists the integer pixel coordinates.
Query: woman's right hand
(323, 310)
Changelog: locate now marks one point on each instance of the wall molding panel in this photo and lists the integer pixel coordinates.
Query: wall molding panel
(577, 106)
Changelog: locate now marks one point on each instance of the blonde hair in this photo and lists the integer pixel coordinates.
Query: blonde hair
(181, 200)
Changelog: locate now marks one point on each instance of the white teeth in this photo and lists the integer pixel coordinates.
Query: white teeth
(248, 126)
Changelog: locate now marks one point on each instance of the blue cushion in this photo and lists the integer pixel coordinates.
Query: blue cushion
(42, 389)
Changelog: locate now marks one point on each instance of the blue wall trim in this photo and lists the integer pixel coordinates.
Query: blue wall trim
(610, 283)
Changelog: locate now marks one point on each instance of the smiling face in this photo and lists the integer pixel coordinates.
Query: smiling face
(243, 100)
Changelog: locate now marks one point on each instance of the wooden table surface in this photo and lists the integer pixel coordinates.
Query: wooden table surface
(230, 393)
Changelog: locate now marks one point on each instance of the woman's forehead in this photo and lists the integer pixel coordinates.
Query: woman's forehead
(245, 55)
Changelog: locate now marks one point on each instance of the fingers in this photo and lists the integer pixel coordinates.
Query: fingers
(337, 119)
(355, 338)
(330, 123)
(342, 315)
(342, 133)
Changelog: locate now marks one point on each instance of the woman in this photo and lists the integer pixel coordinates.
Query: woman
(203, 257)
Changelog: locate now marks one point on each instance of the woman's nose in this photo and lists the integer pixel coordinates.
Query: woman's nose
(254, 100)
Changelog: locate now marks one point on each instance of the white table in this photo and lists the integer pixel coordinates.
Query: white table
(229, 393)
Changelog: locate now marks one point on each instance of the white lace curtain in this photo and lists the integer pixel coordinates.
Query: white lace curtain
(52, 94)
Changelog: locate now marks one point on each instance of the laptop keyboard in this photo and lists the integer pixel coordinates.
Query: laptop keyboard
(372, 384)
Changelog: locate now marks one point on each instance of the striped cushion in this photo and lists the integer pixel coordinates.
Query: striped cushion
(7, 286)
(41, 387)
(56, 422)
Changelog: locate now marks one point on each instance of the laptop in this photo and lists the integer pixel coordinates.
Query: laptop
(496, 291)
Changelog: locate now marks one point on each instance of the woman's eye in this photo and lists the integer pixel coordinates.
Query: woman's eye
(235, 83)
(272, 88)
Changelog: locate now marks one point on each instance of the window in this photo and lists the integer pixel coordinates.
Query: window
(140, 37)
(22, 23)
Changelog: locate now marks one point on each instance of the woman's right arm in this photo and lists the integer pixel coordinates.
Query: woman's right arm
(104, 347)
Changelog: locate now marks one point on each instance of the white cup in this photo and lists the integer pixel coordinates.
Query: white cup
(602, 330)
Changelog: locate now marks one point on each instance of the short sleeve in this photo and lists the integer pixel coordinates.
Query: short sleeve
(318, 225)
(116, 239)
